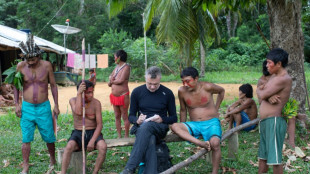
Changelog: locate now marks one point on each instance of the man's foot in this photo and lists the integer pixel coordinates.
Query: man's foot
(126, 171)
(207, 145)
(25, 168)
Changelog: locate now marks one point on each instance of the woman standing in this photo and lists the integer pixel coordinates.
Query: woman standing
(119, 97)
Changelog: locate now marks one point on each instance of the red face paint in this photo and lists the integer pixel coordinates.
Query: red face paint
(187, 82)
(204, 99)
(188, 102)
(89, 93)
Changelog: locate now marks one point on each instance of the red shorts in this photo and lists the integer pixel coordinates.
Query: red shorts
(118, 101)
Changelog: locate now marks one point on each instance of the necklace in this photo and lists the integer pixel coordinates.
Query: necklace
(118, 69)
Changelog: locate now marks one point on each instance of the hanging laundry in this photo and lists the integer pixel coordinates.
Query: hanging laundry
(90, 61)
(70, 60)
(78, 61)
(102, 60)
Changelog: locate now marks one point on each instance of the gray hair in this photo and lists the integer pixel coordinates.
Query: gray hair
(153, 71)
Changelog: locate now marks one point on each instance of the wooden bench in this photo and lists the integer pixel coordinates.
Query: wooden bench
(76, 162)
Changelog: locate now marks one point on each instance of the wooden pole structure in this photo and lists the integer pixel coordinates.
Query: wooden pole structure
(204, 151)
(83, 99)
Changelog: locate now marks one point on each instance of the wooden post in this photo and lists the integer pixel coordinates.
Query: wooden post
(233, 146)
(76, 163)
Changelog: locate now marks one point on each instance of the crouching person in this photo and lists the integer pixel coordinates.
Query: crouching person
(93, 126)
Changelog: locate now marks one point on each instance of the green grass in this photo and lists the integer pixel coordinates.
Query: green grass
(116, 157)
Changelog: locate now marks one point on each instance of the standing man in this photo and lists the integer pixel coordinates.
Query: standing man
(36, 108)
(119, 96)
(92, 76)
(152, 109)
(93, 126)
(196, 98)
(274, 95)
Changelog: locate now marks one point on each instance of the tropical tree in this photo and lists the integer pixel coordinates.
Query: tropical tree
(286, 33)
(182, 22)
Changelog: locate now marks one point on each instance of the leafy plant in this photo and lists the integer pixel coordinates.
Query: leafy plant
(14, 77)
(290, 109)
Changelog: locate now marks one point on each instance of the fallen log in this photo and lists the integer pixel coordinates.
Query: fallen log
(204, 151)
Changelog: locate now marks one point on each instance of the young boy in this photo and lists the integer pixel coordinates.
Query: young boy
(93, 126)
(244, 109)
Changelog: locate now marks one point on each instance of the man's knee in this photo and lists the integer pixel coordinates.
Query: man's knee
(71, 146)
(101, 146)
(215, 143)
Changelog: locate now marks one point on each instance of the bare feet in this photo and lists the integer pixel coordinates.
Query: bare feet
(207, 145)
(25, 168)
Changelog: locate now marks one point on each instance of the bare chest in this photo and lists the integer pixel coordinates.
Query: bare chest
(197, 100)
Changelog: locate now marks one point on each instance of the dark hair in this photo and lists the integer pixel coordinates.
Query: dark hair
(247, 90)
(265, 70)
(153, 71)
(189, 71)
(278, 55)
(87, 83)
(91, 70)
(122, 54)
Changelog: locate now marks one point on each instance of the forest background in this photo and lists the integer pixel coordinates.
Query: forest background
(238, 46)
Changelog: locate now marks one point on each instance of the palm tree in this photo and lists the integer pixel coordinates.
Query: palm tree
(182, 22)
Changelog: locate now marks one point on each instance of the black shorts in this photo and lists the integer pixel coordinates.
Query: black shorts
(76, 136)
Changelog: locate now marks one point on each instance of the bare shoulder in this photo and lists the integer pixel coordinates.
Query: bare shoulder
(20, 65)
(96, 102)
(46, 63)
(182, 89)
(72, 100)
(210, 86)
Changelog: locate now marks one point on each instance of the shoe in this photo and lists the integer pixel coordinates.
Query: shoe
(126, 171)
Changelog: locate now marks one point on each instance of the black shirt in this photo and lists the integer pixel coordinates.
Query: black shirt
(160, 102)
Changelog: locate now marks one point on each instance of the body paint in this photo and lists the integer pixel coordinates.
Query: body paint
(204, 99)
(35, 82)
(188, 102)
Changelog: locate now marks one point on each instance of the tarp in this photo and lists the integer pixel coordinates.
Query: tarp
(10, 38)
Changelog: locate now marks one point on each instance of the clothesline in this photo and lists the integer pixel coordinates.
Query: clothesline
(91, 61)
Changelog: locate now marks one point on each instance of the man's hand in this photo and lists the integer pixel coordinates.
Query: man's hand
(18, 111)
(275, 99)
(261, 87)
(56, 110)
(82, 88)
(90, 146)
(141, 118)
(227, 117)
(156, 118)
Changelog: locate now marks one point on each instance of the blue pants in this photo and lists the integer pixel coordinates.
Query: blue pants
(144, 149)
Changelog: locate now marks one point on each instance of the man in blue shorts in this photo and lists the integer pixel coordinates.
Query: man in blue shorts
(36, 109)
(244, 109)
(196, 98)
(274, 95)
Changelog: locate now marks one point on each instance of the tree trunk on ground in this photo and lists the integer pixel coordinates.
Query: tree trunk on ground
(202, 59)
(235, 24)
(286, 33)
(228, 24)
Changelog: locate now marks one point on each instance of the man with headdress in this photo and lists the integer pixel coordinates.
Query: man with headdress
(36, 108)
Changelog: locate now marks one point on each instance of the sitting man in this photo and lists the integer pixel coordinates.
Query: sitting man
(244, 109)
(93, 126)
(153, 102)
(197, 98)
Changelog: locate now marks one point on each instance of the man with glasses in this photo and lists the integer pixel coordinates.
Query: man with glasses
(196, 98)
(152, 109)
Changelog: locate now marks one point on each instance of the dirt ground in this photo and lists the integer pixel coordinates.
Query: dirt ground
(102, 92)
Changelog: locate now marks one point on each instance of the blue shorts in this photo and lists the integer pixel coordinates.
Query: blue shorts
(37, 115)
(206, 129)
(244, 119)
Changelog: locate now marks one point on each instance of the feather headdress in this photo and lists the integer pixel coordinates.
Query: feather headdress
(30, 49)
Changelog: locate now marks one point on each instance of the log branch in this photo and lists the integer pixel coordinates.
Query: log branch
(204, 151)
